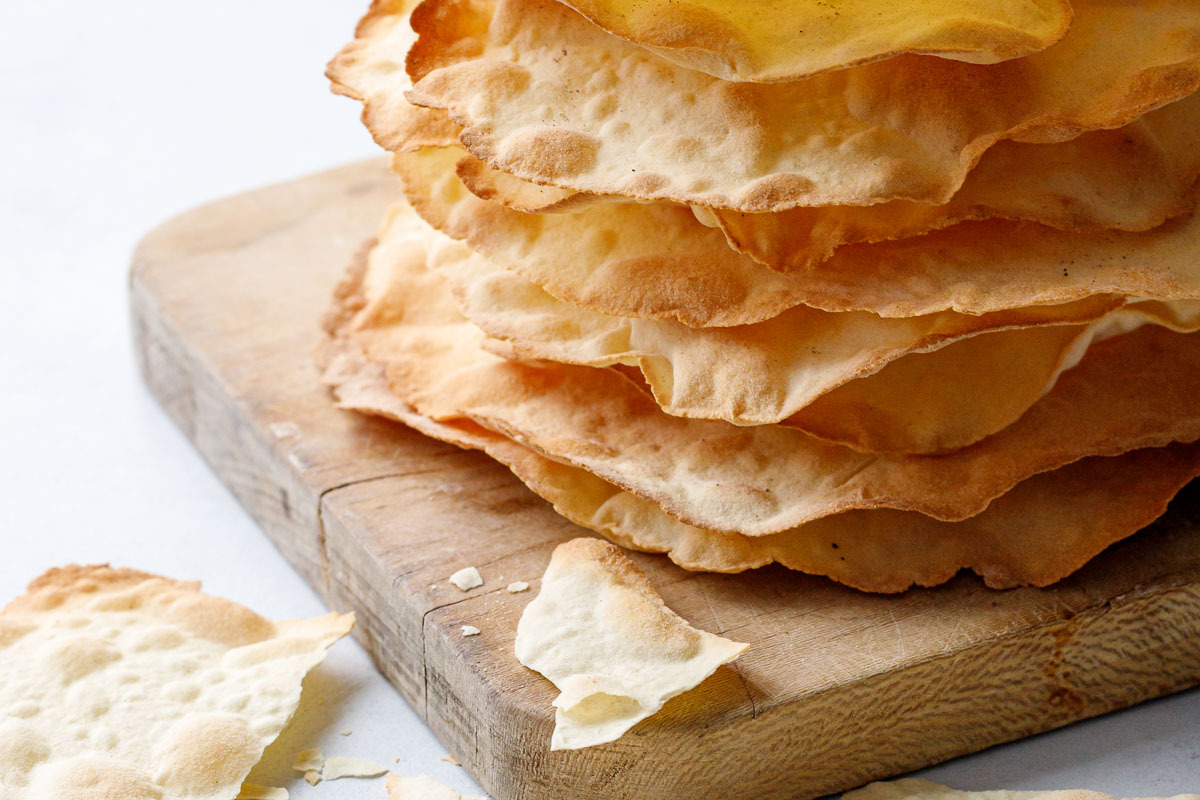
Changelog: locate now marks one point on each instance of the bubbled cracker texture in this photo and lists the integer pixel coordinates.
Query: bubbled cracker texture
(1132, 178)
(548, 97)
(658, 261)
(120, 684)
(919, 308)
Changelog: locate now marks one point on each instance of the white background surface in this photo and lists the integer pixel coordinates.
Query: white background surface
(117, 115)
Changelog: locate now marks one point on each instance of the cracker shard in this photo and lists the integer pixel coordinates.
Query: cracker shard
(126, 684)
(343, 767)
(603, 636)
(467, 578)
(917, 789)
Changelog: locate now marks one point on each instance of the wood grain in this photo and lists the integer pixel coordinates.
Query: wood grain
(837, 688)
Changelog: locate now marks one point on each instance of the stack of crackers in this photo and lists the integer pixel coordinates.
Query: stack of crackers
(874, 291)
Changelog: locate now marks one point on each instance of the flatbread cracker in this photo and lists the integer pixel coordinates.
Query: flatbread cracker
(376, 59)
(115, 682)
(651, 261)
(608, 117)
(948, 399)
(775, 370)
(604, 637)
(1133, 178)
(1038, 533)
(786, 41)
(656, 261)
(762, 479)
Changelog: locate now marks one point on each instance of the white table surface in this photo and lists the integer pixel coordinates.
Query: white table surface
(116, 115)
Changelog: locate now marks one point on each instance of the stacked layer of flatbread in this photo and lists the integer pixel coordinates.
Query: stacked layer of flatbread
(875, 296)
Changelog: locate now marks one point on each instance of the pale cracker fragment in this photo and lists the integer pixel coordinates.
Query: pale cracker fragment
(313, 777)
(470, 630)
(603, 636)
(337, 767)
(423, 787)
(132, 685)
(252, 791)
(308, 759)
(450, 759)
(917, 789)
(467, 578)
(517, 586)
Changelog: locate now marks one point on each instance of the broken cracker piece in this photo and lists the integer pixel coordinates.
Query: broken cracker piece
(342, 767)
(517, 586)
(145, 686)
(313, 777)
(252, 791)
(470, 630)
(423, 787)
(604, 637)
(309, 760)
(467, 578)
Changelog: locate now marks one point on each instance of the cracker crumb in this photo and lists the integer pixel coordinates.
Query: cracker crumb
(450, 759)
(313, 777)
(337, 767)
(345, 732)
(467, 578)
(518, 586)
(470, 630)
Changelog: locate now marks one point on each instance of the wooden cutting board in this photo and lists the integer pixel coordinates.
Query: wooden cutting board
(837, 688)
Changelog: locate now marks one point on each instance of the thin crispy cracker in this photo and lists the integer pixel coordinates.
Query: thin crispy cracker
(1041, 531)
(549, 98)
(773, 370)
(1131, 392)
(1133, 178)
(117, 683)
(657, 261)
(600, 633)
(786, 41)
